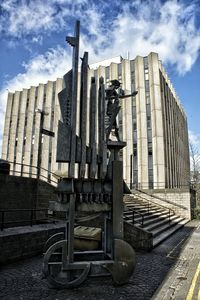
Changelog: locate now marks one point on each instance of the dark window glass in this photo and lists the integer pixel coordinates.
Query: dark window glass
(119, 69)
(107, 72)
(146, 62)
(147, 85)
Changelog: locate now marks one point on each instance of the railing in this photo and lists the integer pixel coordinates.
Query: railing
(158, 204)
(148, 213)
(160, 199)
(159, 185)
(170, 211)
(141, 215)
(31, 174)
(31, 220)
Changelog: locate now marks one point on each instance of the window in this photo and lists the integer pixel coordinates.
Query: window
(132, 64)
(148, 122)
(119, 69)
(107, 73)
(50, 156)
(134, 101)
(147, 85)
(134, 124)
(145, 62)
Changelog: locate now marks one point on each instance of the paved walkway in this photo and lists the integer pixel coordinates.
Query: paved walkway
(183, 281)
(24, 281)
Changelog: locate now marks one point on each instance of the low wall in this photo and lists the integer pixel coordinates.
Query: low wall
(21, 242)
(179, 200)
(137, 237)
(23, 193)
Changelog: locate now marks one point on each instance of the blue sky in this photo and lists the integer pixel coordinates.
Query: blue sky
(33, 47)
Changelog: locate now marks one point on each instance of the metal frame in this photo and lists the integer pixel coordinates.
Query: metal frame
(98, 190)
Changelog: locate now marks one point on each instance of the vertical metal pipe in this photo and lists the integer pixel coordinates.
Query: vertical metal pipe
(131, 171)
(101, 125)
(92, 138)
(83, 113)
(74, 100)
(117, 199)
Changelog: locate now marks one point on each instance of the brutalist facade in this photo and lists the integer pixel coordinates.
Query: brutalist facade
(152, 123)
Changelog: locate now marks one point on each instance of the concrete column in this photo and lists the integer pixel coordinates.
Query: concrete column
(142, 145)
(113, 71)
(101, 72)
(29, 128)
(20, 142)
(13, 126)
(157, 122)
(127, 119)
(58, 88)
(47, 124)
(39, 104)
(6, 134)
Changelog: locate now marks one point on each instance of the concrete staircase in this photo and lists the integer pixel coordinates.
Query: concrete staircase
(158, 220)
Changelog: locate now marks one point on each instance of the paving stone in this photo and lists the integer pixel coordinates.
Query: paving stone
(24, 280)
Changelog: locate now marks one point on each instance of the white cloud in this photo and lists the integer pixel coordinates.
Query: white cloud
(136, 26)
(194, 139)
(49, 66)
(170, 32)
(25, 17)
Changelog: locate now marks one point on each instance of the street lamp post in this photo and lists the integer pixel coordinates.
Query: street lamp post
(42, 114)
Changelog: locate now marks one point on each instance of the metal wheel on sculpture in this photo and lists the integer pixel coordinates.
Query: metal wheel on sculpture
(124, 262)
(53, 239)
(59, 272)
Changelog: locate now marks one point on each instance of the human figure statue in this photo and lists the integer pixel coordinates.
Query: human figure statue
(112, 96)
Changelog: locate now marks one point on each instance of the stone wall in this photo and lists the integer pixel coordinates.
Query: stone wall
(137, 237)
(179, 200)
(22, 193)
(22, 242)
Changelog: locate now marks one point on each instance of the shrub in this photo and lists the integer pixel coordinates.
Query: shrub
(197, 212)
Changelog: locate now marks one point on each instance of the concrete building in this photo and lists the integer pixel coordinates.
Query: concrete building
(152, 123)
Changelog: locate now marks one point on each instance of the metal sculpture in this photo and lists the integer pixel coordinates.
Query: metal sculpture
(93, 186)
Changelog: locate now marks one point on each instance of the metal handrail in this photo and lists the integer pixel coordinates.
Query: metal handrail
(142, 215)
(35, 174)
(159, 185)
(161, 199)
(30, 220)
(160, 205)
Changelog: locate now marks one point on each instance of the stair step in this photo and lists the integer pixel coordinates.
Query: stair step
(150, 211)
(147, 218)
(158, 223)
(165, 227)
(160, 238)
(156, 218)
(135, 201)
(141, 205)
